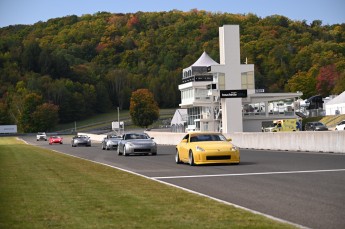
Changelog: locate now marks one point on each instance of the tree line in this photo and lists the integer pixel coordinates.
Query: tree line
(73, 67)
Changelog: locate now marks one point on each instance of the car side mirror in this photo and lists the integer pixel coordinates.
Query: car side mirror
(184, 140)
(152, 138)
(229, 139)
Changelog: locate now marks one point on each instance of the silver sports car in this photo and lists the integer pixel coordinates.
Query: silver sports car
(110, 142)
(136, 143)
(81, 140)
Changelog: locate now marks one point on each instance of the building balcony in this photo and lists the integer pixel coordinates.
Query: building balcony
(270, 115)
(197, 101)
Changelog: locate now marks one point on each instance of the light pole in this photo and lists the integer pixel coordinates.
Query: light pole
(118, 118)
(118, 115)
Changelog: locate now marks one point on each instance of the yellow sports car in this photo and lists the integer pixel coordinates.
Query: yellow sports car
(206, 148)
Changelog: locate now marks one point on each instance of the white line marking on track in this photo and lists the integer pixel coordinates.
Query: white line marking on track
(249, 174)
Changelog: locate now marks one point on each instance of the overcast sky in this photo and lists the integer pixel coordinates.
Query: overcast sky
(31, 11)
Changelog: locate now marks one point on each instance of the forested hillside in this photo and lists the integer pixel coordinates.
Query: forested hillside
(69, 68)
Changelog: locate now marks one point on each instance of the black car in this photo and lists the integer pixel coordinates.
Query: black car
(315, 126)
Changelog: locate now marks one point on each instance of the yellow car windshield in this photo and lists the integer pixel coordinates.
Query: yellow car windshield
(207, 138)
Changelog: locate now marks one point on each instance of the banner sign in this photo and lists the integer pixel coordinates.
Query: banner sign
(204, 78)
(198, 78)
(233, 93)
(117, 125)
(259, 90)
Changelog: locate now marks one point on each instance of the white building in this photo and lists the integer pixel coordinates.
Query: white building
(217, 96)
(200, 106)
(336, 106)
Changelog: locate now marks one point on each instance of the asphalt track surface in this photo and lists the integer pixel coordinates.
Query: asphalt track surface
(304, 188)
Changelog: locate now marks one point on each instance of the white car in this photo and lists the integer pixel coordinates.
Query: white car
(41, 136)
(340, 125)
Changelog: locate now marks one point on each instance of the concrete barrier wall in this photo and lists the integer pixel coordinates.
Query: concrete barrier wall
(323, 141)
(326, 141)
(95, 137)
(166, 138)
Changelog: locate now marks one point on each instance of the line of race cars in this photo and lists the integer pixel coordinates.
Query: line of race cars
(284, 125)
(195, 147)
(52, 139)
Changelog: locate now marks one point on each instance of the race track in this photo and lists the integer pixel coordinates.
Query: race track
(304, 188)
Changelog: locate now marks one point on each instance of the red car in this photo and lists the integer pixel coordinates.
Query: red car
(55, 139)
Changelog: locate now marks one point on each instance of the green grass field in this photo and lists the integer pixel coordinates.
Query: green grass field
(43, 189)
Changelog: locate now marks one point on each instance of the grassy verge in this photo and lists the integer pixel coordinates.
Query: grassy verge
(43, 189)
(330, 121)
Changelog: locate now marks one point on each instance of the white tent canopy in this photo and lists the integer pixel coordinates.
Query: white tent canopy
(178, 122)
(336, 105)
(179, 117)
(205, 60)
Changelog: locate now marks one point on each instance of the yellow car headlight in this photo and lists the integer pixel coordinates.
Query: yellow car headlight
(234, 148)
(198, 148)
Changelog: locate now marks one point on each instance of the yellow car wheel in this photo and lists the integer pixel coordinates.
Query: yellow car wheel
(191, 158)
(177, 158)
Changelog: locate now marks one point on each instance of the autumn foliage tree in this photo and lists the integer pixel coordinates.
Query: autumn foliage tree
(31, 101)
(339, 84)
(326, 79)
(87, 65)
(304, 82)
(45, 117)
(4, 115)
(36, 115)
(143, 108)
